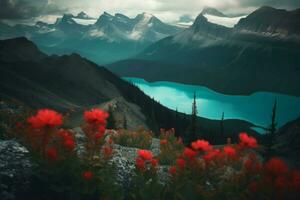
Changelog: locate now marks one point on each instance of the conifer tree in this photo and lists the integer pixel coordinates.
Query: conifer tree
(192, 132)
(111, 124)
(222, 128)
(273, 127)
(125, 122)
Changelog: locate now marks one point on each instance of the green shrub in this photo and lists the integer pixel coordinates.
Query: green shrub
(141, 138)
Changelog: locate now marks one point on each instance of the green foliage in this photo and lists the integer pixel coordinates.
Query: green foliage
(170, 147)
(145, 186)
(141, 138)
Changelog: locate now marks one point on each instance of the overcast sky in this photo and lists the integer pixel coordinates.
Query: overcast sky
(167, 10)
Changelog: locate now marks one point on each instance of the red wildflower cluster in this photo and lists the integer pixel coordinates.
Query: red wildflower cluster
(96, 120)
(140, 164)
(252, 164)
(96, 116)
(230, 151)
(201, 145)
(67, 139)
(145, 157)
(45, 118)
(276, 167)
(52, 154)
(247, 141)
(180, 163)
(189, 153)
(275, 175)
(211, 155)
(94, 130)
(87, 175)
(154, 163)
(107, 151)
(172, 170)
(44, 135)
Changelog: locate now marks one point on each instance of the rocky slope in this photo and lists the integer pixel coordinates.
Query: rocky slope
(287, 142)
(268, 20)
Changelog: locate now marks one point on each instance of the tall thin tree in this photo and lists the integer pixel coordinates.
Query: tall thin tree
(273, 127)
(193, 126)
(222, 128)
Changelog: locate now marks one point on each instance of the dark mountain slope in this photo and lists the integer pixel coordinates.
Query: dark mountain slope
(269, 20)
(287, 143)
(69, 82)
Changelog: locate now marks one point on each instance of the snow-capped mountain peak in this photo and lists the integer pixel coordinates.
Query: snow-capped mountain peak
(212, 11)
(66, 19)
(83, 15)
(215, 16)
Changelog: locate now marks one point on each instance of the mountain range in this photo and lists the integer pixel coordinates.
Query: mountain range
(260, 53)
(104, 40)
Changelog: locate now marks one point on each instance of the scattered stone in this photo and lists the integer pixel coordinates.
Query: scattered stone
(15, 169)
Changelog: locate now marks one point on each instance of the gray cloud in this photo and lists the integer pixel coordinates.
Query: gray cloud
(167, 10)
(25, 9)
(288, 4)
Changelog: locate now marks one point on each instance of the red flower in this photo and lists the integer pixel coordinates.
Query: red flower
(248, 164)
(163, 142)
(87, 175)
(180, 163)
(102, 129)
(140, 164)
(52, 153)
(45, 118)
(69, 144)
(281, 183)
(110, 141)
(189, 153)
(107, 151)
(65, 135)
(154, 163)
(172, 170)
(146, 155)
(98, 135)
(276, 167)
(295, 181)
(230, 151)
(201, 145)
(211, 155)
(96, 116)
(247, 141)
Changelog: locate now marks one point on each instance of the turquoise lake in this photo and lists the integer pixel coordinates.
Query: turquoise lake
(255, 108)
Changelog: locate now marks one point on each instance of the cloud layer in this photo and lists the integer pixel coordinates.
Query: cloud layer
(168, 10)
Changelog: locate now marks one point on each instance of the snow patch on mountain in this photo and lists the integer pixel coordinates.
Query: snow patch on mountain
(96, 33)
(141, 27)
(224, 21)
(85, 22)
